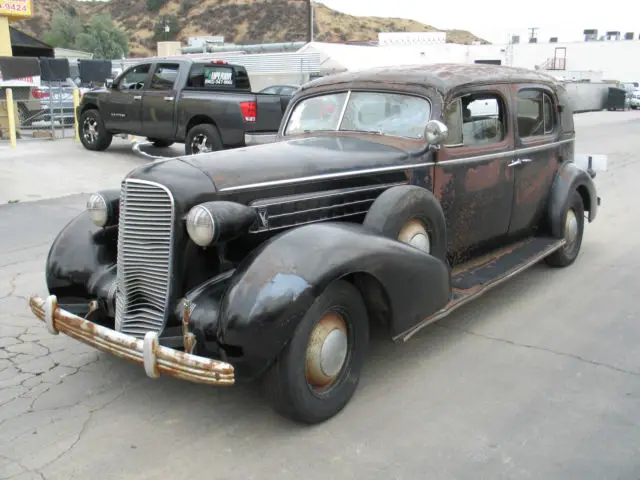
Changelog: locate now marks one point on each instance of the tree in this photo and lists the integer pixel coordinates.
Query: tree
(103, 38)
(159, 32)
(63, 31)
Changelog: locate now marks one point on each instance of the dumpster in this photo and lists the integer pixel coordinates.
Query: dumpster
(616, 99)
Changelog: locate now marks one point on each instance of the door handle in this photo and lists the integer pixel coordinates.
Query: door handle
(169, 99)
(515, 163)
(137, 97)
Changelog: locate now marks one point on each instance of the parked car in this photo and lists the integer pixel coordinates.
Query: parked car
(207, 105)
(634, 101)
(281, 89)
(384, 199)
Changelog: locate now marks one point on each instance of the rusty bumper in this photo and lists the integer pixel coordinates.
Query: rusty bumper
(155, 358)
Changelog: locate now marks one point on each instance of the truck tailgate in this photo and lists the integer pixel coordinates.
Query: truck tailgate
(270, 111)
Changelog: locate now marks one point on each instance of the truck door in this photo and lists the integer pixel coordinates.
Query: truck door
(124, 104)
(159, 102)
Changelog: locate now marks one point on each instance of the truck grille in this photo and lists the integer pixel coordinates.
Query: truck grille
(144, 257)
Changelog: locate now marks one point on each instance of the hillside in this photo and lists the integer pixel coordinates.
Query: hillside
(239, 21)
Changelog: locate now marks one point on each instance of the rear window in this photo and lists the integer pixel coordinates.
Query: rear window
(218, 77)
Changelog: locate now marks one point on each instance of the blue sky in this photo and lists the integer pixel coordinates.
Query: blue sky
(554, 18)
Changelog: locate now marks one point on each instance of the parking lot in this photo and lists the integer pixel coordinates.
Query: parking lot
(540, 378)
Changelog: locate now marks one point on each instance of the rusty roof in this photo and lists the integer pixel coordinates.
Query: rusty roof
(441, 76)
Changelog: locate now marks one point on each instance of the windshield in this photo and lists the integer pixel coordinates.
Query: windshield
(384, 113)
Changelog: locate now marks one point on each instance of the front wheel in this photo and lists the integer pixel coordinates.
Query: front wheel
(573, 230)
(317, 373)
(93, 134)
(202, 139)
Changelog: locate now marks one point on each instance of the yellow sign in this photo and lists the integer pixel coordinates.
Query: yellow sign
(16, 9)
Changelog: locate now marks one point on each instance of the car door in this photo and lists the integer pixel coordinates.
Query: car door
(159, 102)
(473, 177)
(124, 103)
(537, 148)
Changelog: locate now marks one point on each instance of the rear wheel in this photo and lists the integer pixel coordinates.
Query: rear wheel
(93, 134)
(159, 143)
(573, 230)
(202, 138)
(317, 373)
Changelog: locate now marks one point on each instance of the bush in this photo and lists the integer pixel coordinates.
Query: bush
(155, 5)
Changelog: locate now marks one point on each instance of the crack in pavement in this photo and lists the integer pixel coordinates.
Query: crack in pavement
(541, 349)
(23, 467)
(12, 287)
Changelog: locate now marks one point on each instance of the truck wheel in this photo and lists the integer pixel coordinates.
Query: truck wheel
(317, 373)
(573, 230)
(412, 215)
(92, 133)
(202, 139)
(158, 143)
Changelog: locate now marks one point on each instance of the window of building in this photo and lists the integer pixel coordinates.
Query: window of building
(477, 119)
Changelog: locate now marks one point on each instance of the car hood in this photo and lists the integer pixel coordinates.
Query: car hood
(261, 165)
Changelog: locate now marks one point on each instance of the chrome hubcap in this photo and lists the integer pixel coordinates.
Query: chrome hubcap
(415, 234)
(571, 229)
(327, 351)
(200, 144)
(90, 130)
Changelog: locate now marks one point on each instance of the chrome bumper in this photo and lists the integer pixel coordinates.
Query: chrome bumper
(155, 358)
(251, 139)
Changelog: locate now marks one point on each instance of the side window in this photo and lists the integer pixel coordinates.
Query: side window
(164, 77)
(536, 113)
(134, 79)
(477, 119)
(549, 115)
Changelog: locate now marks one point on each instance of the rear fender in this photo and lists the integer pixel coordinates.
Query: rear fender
(273, 288)
(569, 178)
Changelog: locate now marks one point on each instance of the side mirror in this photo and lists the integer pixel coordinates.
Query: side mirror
(109, 83)
(435, 132)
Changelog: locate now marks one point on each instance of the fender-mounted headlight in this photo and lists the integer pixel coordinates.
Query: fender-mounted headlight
(201, 225)
(103, 209)
(212, 222)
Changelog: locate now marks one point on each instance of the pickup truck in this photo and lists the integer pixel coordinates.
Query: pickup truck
(207, 105)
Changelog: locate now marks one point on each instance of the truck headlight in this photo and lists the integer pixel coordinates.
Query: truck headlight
(201, 226)
(98, 209)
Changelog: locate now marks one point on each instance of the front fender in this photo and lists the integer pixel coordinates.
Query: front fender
(81, 262)
(273, 288)
(569, 178)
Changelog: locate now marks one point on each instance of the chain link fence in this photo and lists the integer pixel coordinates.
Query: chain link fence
(45, 111)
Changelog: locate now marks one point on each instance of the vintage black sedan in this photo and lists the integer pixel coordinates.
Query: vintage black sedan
(391, 195)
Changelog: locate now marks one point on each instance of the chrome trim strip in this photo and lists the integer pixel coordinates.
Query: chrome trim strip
(508, 153)
(325, 176)
(365, 171)
(171, 245)
(270, 229)
(344, 109)
(326, 194)
(320, 209)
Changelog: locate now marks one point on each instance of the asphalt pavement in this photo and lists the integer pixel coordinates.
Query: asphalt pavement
(538, 379)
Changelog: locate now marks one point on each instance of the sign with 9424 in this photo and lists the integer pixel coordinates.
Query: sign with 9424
(16, 9)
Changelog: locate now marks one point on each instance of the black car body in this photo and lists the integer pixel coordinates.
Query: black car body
(392, 195)
(207, 105)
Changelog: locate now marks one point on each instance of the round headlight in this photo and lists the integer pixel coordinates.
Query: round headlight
(97, 208)
(200, 226)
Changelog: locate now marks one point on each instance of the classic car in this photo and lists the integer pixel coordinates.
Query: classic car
(391, 195)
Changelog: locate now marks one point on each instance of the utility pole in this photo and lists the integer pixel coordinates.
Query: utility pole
(532, 32)
(311, 20)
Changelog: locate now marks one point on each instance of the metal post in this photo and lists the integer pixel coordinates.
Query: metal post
(51, 112)
(61, 105)
(12, 119)
(76, 102)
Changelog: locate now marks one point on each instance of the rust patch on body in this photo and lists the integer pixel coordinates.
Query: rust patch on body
(483, 176)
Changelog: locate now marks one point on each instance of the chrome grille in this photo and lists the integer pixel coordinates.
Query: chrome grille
(144, 257)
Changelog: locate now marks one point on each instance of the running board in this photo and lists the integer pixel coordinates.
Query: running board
(472, 279)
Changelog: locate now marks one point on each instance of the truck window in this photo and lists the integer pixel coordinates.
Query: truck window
(164, 76)
(217, 77)
(134, 79)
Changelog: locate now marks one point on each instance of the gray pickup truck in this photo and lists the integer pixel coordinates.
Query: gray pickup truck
(207, 105)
